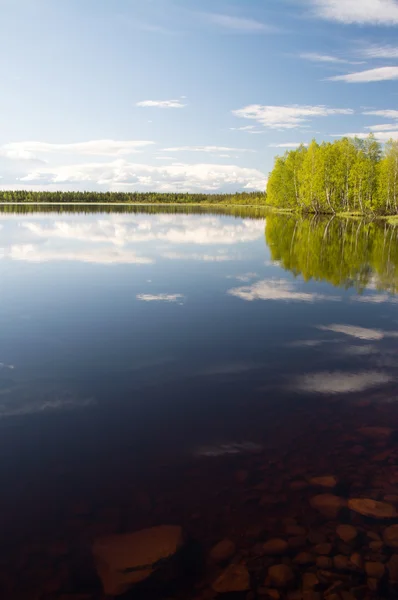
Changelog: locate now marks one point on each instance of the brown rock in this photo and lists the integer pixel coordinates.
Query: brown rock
(347, 533)
(356, 560)
(324, 562)
(124, 560)
(280, 576)
(373, 584)
(235, 578)
(376, 546)
(326, 481)
(390, 536)
(275, 546)
(309, 581)
(347, 595)
(328, 504)
(392, 567)
(374, 569)
(324, 549)
(269, 593)
(341, 562)
(222, 551)
(304, 558)
(372, 508)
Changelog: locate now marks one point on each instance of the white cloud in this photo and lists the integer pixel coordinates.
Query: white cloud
(123, 175)
(388, 114)
(381, 136)
(161, 104)
(339, 382)
(160, 297)
(287, 117)
(94, 147)
(385, 127)
(245, 128)
(205, 149)
(372, 12)
(381, 52)
(371, 75)
(239, 24)
(273, 289)
(315, 57)
(288, 145)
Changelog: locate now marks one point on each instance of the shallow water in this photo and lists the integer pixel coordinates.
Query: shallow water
(134, 343)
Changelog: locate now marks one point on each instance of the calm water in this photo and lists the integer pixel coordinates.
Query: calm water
(175, 328)
(149, 358)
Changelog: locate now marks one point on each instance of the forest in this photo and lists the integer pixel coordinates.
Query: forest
(238, 199)
(347, 253)
(348, 175)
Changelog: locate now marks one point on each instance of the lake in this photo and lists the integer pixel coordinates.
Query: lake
(150, 359)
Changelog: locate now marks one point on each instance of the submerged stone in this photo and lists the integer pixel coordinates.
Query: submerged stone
(124, 560)
(328, 504)
(372, 508)
(235, 578)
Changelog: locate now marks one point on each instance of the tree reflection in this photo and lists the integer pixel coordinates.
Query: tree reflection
(344, 252)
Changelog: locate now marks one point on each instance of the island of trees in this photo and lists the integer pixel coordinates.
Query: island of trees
(237, 199)
(348, 175)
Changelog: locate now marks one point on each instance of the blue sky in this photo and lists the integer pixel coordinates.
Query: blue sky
(186, 95)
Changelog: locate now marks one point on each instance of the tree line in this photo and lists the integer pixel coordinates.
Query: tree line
(346, 252)
(240, 198)
(348, 175)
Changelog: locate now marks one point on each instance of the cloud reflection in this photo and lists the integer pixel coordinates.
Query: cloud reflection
(275, 289)
(339, 382)
(161, 297)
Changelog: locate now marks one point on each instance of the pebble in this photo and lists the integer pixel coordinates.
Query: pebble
(280, 576)
(372, 508)
(341, 562)
(328, 504)
(309, 581)
(327, 481)
(304, 558)
(374, 569)
(356, 560)
(390, 536)
(324, 549)
(324, 562)
(222, 551)
(392, 567)
(347, 533)
(235, 578)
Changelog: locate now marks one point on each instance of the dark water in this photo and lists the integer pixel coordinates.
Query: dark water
(137, 339)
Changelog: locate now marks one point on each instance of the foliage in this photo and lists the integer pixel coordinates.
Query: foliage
(239, 199)
(344, 176)
(345, 252)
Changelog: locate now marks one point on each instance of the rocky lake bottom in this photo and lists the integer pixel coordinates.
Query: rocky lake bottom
(310, 513)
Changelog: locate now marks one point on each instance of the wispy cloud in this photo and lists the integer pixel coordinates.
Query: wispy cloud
(372, 12)
(209, 149)
(382, 127)
(287, 117)
(368, 76)
(382, 136)
(388, 114)
(361, 333)
(94, 147)
(288, 145)
(234, 24)
(375, 51)
(161, 104)
(324, 58)
(161, 297)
